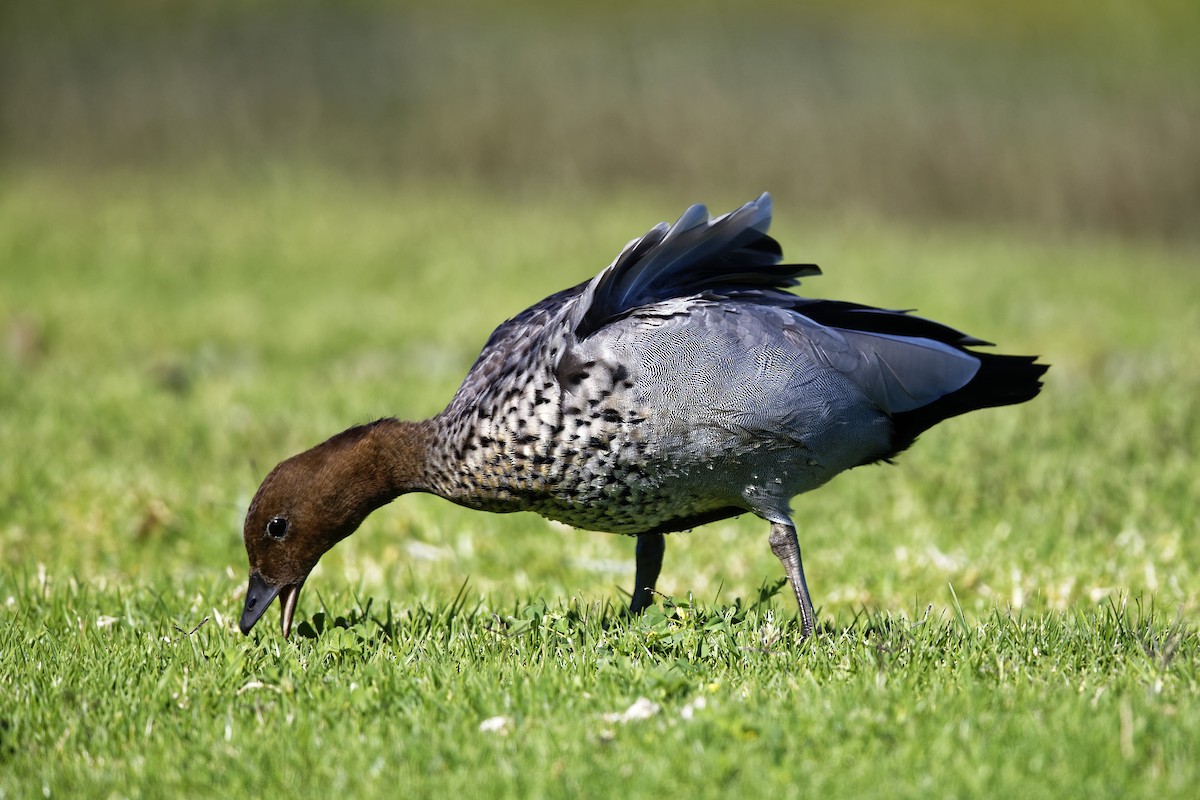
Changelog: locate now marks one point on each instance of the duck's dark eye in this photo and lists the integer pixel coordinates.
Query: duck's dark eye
(277, 528)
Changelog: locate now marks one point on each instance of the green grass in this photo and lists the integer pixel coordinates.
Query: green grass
(1009, 611)
(1090, 703)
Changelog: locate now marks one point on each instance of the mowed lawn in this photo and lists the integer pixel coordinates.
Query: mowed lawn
(1008, 611)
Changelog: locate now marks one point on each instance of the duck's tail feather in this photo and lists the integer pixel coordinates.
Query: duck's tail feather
(696, 254)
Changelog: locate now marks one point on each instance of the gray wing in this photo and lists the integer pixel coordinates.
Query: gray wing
(900, 362)
(918, 371)
(898, 373)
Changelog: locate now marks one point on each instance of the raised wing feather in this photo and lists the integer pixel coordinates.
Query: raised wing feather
(696, 254)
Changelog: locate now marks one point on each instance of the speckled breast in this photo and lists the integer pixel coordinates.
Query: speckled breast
(572, 442)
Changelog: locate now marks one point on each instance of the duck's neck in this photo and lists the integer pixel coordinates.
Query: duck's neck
(361, 469)
(395, 454)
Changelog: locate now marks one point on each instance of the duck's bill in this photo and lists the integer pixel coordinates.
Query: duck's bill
(288, 596)
(260, 595)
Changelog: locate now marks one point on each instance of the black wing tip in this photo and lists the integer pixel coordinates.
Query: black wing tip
(1002, 380)
(803, 270)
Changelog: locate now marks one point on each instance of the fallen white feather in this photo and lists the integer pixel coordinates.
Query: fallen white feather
(496, 725)
(642, 708)
(688, 712)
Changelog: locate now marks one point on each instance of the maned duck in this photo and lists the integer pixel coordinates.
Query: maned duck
(681, 385)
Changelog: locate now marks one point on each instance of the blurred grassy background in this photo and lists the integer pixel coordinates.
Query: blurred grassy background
(1071, 115)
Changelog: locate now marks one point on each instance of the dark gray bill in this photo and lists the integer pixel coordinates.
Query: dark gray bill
(259, 595)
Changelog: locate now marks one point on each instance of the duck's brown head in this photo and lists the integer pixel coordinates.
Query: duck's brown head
(305, 506)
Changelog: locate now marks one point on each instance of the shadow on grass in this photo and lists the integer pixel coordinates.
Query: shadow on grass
(527, 615)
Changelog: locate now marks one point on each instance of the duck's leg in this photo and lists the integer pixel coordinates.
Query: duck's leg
(786, 548)
(649, 553)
